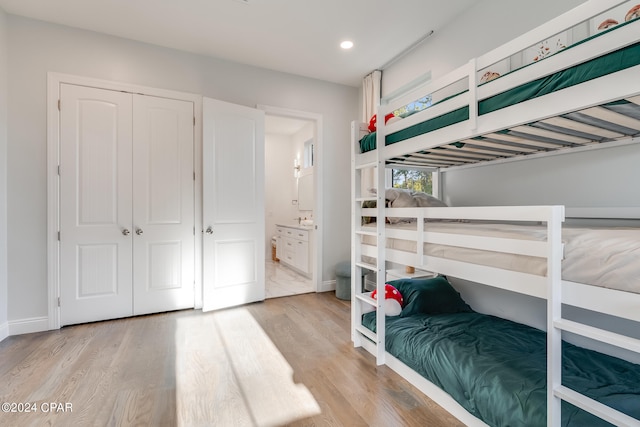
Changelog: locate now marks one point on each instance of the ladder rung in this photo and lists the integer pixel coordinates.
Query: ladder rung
(612, 338)
(366, 297)
(367, 266)
(366, 233)
(368, 333)
(594, 407)
(367, 165)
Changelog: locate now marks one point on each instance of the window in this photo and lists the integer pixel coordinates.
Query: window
(308, 154)
(416, 180)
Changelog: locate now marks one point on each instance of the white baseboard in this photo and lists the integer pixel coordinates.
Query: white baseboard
(4, 330)
(328, 285)
(28, 326)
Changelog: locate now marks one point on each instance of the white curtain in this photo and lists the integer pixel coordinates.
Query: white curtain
(371, 95)
(370, 102)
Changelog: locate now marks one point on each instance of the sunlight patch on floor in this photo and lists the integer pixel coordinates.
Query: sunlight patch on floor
(228, 372)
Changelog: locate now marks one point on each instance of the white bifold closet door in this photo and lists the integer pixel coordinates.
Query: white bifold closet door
(233, 205)
(126, 204)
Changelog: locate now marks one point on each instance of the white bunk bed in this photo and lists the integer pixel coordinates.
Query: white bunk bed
(602, 111)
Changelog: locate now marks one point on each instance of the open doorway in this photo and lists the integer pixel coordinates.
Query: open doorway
(292, 202)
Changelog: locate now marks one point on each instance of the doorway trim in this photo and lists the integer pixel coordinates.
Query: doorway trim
(317, 183)
(54, 80)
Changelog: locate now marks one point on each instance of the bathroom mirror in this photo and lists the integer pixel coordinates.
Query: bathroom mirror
(305, 192)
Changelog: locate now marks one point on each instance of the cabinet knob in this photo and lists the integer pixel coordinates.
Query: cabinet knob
(209, 230)
(139, 231)
(125, 231)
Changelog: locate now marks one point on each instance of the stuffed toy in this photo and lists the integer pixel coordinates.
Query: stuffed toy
(392, 304)
(374, 120)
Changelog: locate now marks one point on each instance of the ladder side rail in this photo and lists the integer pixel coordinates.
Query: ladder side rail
(381, 238)
(554, 313)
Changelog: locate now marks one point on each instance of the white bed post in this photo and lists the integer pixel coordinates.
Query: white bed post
(356, 183)
(554, 313)
(473, 94)
(381, 272)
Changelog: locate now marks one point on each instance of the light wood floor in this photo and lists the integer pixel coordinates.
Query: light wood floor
(286, 361)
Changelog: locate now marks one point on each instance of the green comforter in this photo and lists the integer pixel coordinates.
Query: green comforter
(496, 369)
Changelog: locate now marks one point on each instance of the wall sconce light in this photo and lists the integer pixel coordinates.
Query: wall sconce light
(296, 168)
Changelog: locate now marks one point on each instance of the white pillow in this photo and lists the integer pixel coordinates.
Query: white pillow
(404, 198)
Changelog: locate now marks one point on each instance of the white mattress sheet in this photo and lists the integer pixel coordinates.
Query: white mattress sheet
(606, 257)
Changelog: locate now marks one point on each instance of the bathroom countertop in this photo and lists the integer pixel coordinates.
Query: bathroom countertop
(297, 226)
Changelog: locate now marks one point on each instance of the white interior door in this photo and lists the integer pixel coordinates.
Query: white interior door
(95, 204)
(233, 205)
(126, 204)
(163, 205)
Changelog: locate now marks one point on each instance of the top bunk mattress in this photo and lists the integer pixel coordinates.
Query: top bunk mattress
(621, 59)
(598, 256)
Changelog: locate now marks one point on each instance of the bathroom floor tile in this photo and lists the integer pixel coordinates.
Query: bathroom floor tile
(282, 281)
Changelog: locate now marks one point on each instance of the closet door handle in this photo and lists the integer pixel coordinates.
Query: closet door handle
(125, 231)
(139, 231)
(209, 230)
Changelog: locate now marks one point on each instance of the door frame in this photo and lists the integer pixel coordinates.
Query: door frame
(54, 80)
(317, 183)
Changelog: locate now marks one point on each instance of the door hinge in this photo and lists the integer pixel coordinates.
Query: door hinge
(58, 236)
(194, 176)
(194, 231)
(58, 301)
(194, 120)
(59, 105)
(58, 170)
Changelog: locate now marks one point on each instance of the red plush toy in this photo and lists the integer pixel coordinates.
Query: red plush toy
(393, 300)
(374, 119)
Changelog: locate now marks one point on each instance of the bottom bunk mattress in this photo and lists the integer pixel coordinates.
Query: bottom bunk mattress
(496, 368)
(599, 256)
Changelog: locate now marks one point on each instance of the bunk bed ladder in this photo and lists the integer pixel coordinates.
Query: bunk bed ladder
(583, 402)
(556, 392)
(361, 300)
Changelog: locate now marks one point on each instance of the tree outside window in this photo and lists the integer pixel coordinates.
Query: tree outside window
(415, 180)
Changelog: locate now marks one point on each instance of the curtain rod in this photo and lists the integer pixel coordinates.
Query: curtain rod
(406, 50)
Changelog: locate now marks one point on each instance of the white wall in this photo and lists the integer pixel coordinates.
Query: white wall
(598, 178)
(3, 176)
(280, 185)
(36, 48)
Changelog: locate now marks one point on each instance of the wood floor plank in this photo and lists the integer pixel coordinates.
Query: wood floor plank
(263, 364)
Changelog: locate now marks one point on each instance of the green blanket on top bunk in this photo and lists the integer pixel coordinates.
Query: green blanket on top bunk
(618, 60)
(496, 368)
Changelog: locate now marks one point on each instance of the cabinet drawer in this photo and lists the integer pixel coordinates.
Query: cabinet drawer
(301, 235)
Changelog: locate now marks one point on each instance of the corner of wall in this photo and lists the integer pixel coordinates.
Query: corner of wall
(327, 286)
(4, 304)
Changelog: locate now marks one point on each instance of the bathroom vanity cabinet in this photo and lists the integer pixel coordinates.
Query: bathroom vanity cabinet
(293, 246)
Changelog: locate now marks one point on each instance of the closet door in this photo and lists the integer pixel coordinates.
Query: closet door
(95, 204)
(163, 204)
(233, 205)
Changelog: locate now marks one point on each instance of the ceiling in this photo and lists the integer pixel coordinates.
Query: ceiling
(280, 125)
(294, 36)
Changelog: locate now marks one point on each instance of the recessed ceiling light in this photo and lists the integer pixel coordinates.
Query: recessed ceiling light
(347, 44)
